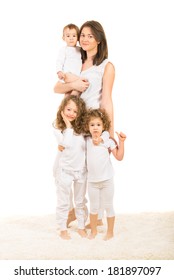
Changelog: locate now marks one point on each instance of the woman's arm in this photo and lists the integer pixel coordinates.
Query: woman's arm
(106, 102)
(78, 84)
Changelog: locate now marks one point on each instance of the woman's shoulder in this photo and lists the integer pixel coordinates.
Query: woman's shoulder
(107, 64)
(109, 69)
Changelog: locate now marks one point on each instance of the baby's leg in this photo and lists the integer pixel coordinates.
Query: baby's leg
(70, 77)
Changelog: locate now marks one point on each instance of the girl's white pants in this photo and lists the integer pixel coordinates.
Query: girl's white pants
(101, 197)
(64, 180)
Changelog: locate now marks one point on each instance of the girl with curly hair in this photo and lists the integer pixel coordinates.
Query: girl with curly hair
(100, 171)
(70, 163)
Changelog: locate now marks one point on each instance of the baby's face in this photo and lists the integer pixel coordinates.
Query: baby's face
(70, 37)
(95, 127)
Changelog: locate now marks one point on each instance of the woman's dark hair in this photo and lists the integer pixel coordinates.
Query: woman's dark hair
(99, 35)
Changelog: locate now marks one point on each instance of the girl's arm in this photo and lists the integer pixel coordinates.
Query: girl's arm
(106, 102)
(118, 152)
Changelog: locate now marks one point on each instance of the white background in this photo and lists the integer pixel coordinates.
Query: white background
(140, 41)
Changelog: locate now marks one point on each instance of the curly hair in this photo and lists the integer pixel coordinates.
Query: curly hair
(79, 123)
(98, 113)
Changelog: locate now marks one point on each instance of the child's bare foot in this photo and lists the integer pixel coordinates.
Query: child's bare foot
(92, 235)
(65, 235)
(108, 236)
(82, 232)
(71, 217)
(99, 223)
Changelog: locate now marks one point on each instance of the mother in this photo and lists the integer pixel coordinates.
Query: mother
(99, 73)
(96, 68)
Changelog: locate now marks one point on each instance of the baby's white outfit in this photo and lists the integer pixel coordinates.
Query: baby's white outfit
(69, 60)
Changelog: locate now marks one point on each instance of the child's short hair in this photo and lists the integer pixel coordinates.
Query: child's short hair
(72, 26)
(98, 113)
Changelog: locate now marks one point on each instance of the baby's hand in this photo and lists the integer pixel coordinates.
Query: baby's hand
(61, 148)
(121, 136)
(61, 75)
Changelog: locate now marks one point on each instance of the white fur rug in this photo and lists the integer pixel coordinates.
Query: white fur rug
(147, 236)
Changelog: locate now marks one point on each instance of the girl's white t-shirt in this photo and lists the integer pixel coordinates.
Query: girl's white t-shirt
(73, 156)
(99, 166)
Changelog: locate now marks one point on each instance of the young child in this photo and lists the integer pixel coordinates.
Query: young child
(100, 169)
(69, 57)
(70, 167)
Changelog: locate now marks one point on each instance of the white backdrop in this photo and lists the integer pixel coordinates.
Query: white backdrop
(140, 40)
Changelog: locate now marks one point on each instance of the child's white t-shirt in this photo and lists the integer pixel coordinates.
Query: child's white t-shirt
(99, 166)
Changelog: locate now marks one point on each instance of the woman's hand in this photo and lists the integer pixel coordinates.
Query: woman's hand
(61, 148)
(80, 84)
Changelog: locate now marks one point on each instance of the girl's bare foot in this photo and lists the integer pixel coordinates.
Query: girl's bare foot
(82, 232)
(108, 236)
(92, 235)
(64, 235)
(99, 223)
(71, 217)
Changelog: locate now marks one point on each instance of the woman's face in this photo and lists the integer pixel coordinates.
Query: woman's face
(70, 111)
(87, 40)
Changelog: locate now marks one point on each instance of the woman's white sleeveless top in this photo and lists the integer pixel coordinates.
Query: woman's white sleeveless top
(94, 74)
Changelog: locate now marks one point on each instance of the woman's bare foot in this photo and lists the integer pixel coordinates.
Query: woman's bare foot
(71, 217)
(99, 223)
(65, 235)
(108, 236)
(82, 232)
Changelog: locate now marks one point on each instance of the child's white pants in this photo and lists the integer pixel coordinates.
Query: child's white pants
(64, 180)
(101, 197)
